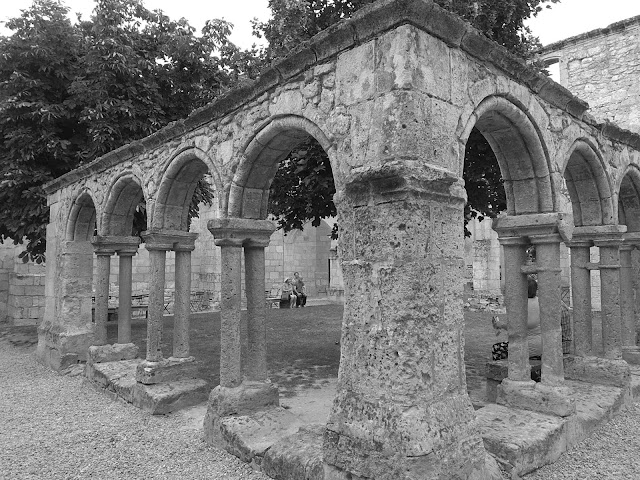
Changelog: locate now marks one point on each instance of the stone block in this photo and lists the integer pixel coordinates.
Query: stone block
(631, 355)
(166, 370)
(112, 353)
(297, 456)
(536, 397)
(597, 370)
(247, 398)
(163, 398)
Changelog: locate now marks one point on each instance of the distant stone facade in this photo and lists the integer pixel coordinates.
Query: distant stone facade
(21, 288)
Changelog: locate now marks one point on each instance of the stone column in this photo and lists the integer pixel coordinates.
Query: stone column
(548, 269)
(182, 298)
(103, 254)
(610, 293)
(581, 297)
(125, 278)
(515, 295)
(256, 362)
(626, 297)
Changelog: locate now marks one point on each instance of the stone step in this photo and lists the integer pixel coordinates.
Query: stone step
(523, 441)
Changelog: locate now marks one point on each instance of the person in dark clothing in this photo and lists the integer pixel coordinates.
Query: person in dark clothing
(300, 290)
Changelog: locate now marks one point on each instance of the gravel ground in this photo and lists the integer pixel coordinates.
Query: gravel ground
(610, 453)
(54, 427)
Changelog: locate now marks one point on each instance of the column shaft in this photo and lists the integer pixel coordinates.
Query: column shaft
(548, 263)
(256, 365)
(102, 297)
(610, 293)
(157, 260)
(124, 297)
(181, 304)
(230, 291)
(515, 295)
(581, 298)
(626, 297)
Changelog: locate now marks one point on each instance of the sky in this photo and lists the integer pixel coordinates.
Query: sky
(565, 19)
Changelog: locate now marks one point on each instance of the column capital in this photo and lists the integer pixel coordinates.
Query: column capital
(578, 243)
(241, 231)
(511, 241)
(110, 244)
(632, 238)
(545, 238)
(600, 233)
(169, 240)
(534, 224)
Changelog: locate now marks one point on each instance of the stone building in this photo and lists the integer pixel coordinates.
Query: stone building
(392, 95)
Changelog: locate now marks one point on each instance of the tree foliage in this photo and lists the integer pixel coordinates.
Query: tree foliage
(72, 92)
(295, 21)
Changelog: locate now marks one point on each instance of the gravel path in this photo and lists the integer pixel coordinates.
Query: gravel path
(610, 453)
(54, 427)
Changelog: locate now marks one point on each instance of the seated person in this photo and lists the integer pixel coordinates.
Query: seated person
(500, 350)
(288, 294)
(300, 290)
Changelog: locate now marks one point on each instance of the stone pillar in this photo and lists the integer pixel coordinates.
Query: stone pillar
(158, 247)
(515, 296)
(610, 288)
(102, 293)
(182, 297)
(548, 270)
(626, 297)
(125, 276)
(581, 297)
(256, 362)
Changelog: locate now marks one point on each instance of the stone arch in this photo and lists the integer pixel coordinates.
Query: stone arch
(520, 151)
(249, 192)
(588, 185)
(81, 223)
(629, 199)
(122, 199)
(178, 183)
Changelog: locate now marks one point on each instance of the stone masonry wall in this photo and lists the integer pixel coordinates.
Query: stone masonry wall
(602, 67)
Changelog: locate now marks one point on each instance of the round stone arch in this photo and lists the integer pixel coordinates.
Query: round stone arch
(518, 146)
(589, 185)
(123, 196)
(259, 160)
(629, 199)
(81, 222)
(171, 204)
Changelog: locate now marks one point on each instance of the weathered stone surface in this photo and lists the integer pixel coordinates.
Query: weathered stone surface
(249, 436)
(117, 377)
(536, 397)
(597, 370)
(112, 353)
(631, 355)
(166, 370)
(249, 397)
(163, 398)
(296, 457)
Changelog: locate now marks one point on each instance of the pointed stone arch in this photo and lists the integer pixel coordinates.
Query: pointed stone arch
(179, 180)
(588, 185)
(81, 223)
(249, 191)
(123, 197)
(520, 151)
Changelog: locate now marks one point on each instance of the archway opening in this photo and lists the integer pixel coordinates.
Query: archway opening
(82, 219)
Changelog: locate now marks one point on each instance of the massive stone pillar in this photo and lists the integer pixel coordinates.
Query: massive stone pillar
(182, 297)
(548, 270)
(402, 346)
(256, 361)
(515, 296)
(581, 296)
(610, 294)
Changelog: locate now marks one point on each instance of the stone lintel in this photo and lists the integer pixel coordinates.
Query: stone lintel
(166, 370)
(248, 232)
(169, 240)
(531, 225)
(537, 397)
(125, 245)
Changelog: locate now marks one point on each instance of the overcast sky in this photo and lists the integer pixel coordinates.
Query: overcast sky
(563, 20)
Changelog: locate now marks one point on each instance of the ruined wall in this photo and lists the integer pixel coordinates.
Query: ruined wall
(602, 67)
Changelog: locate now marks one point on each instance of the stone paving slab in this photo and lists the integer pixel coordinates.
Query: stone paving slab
(119, 379)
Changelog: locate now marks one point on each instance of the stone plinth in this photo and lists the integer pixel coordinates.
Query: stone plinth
(296, 456)
(112, 353)
(598, 370)
(536, 397)
(60, 346)
(166, 370)
(631, 355)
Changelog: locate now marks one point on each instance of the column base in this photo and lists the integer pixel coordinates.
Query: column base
(61, 346)
(537, 397)
(631, 355)
(112, 353)
(603, 371)
(166, 370)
